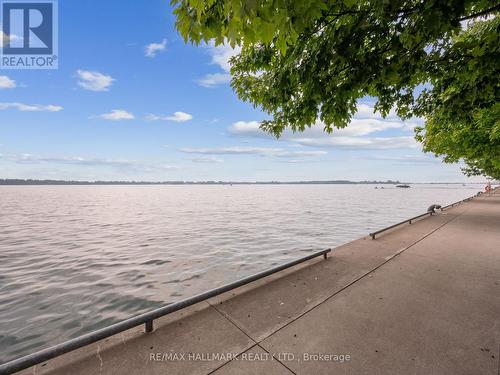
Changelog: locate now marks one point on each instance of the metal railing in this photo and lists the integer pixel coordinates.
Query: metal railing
(428, 213)
(463, 200)
(146, 319)
(373, 234)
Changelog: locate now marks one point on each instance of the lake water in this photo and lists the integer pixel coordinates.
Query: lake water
(77, 258)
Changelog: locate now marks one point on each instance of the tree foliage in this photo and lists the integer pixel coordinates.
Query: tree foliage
(461, 109)
(314, 59)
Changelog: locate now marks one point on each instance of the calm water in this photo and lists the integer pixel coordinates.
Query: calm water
(77, 258)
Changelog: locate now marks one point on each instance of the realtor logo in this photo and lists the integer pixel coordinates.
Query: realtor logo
(29, 34)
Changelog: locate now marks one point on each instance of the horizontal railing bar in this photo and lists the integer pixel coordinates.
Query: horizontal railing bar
(146, 318)
(373, 234)
(463, 200)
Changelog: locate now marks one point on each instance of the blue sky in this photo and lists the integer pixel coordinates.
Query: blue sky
(131, 101)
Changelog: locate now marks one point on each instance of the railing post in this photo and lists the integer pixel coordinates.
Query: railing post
(148, 326)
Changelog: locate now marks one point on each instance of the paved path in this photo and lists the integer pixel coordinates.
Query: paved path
(420, 299)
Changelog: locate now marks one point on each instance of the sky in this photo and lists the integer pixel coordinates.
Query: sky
(131, 101)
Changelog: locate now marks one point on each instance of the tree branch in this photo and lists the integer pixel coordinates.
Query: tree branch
(481, 13)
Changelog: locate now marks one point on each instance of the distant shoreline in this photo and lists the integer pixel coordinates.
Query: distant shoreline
(330, 182)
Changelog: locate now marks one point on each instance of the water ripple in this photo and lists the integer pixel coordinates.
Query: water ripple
(78, 258)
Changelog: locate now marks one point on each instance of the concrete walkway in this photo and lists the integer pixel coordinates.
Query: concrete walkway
(421, 299)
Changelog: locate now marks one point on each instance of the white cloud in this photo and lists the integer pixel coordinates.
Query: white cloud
(412, 159)
(93, 162)
(214, 79)
(220, 56)
(367, 111)
(153, 48)
(157, 168)
(229, 150)
(116, 115)
(357, 127)
(364, 123)
(366, 143)
(30, 158)
(94, 81)
(262, 151)
(287, 154)
(7, 83)
(207, 159)
(248, 129)
(177, 117)
(297, 161)
(31, 107)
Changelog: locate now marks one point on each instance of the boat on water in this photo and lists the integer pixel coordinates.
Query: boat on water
(403, 186)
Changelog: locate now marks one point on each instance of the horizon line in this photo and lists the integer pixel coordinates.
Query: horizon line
(29, 181)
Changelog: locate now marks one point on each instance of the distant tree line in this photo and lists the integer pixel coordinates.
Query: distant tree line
(15, 181)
